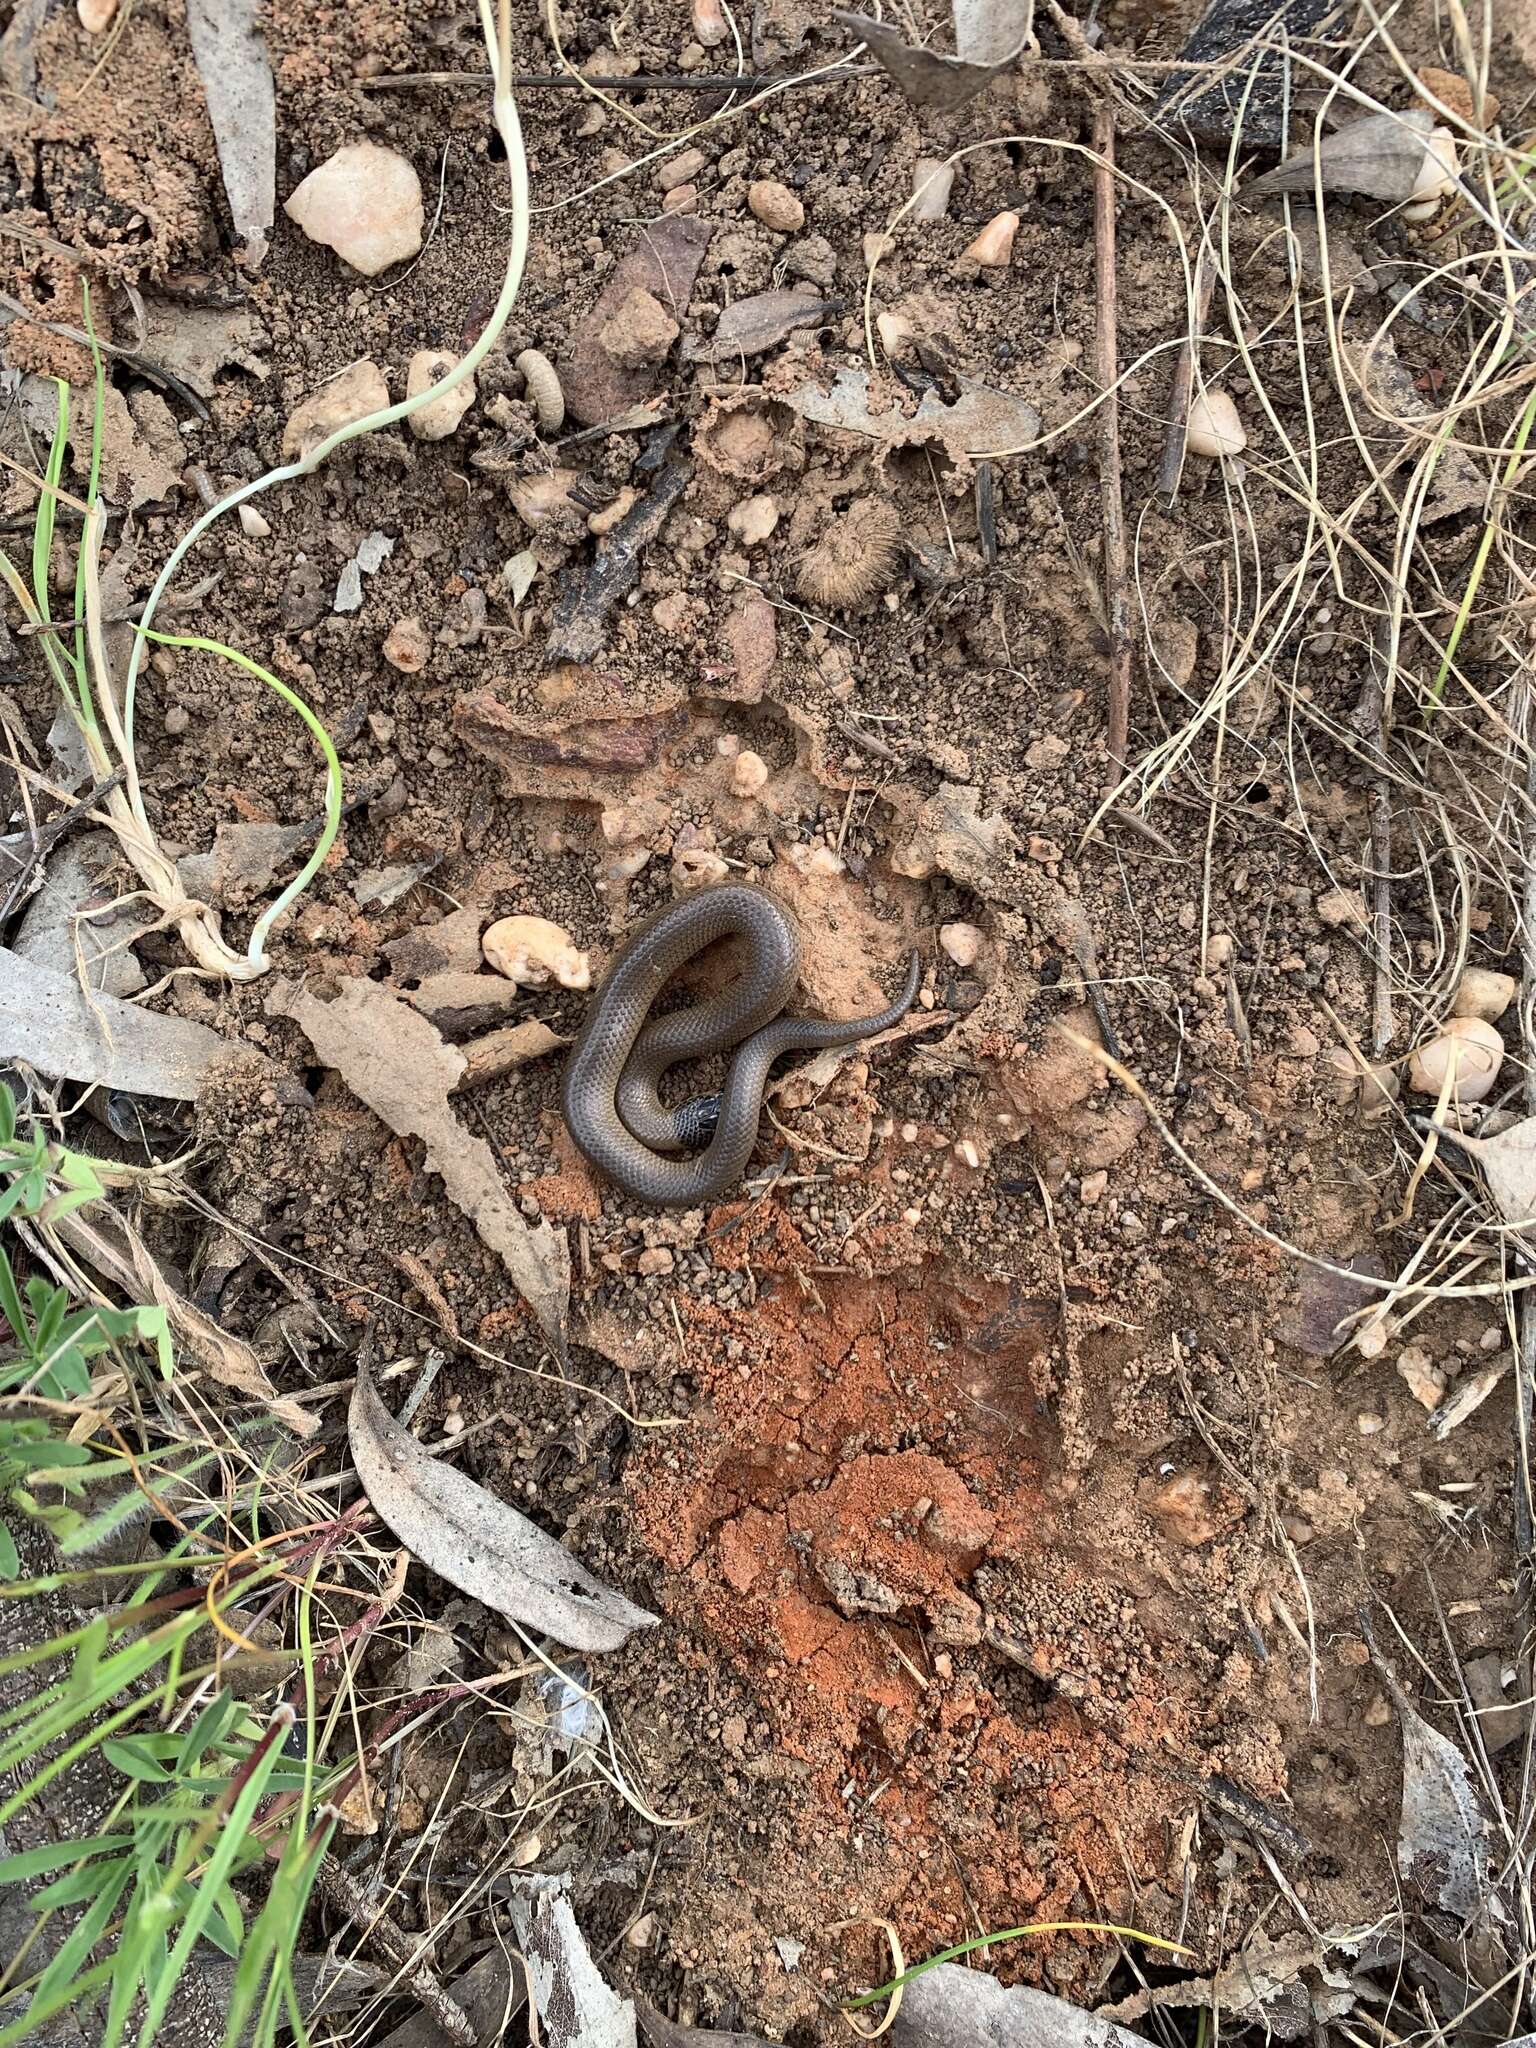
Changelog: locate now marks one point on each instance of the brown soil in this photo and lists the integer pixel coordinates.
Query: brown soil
(1004, 1467)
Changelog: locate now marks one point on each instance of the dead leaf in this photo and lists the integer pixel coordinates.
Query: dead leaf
(749, 326)
(1507, 1163)
(927, 77)
(459, 1003)
(1468, 1397)
(1291, 1988)
(982, 421)
(395, 1061)
(46, 1021)
(665, 2033)
(1458, 485)
(952, 2007)
(53, 928)
(112, 1247)
(574, 2003)
(237, 84)
(477, 1542)
(1379, 156)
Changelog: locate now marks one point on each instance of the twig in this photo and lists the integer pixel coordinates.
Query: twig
(1373, 725)
(640, 81)
(348, 1896)
(1117, 611)
(1171, 466)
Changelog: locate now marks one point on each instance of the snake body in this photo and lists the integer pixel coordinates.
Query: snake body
(609, 1095)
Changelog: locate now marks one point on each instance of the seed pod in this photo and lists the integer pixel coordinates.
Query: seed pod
(543, 390)
(857, 557)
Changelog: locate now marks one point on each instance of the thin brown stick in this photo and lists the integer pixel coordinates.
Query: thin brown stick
(1117, 609)
(1171, 467)
(1373, 721)
(404, 1951)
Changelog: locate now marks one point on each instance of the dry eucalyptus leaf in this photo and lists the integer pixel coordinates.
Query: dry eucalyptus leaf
(1468, 1397)
(47, 1021)
(982, 420)
(1508, 1164)
(1380, 156)
(749, 326)
(1445, 1843)
(477, 1542)
(661, 2032)
(952, 2007)
(395, 1061)
(237, 84)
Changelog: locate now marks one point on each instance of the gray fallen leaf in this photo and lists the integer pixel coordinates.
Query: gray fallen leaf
(1458, 484)
(46, 1020)
(575, 2005)
(1445, 1842)
(491, 1992)
(1379, 156)
(1290, 1987)
(790, 1951)
(237, 84)
(992, 32)
(242, 863)
(51, 930)
(394, 1060)
(951, 2007)
(385, 886)
(109, 1243)
(71, 764)
(927, 77)
(477, 1542)
(749, 326)
(517, 575)
(1507, 1163)
(982, 421)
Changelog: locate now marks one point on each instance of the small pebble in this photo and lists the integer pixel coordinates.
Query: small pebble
(775, 206)
(749, 772)
(993, 247)
(962, 942)
(1369, 1424)
(1214, 427)
(681, 169)
(406, 646)
(365, 203)
(752, 520)
(437, 417)
(657, 1259)
(932, 182)
(251, 523)
(177, 719)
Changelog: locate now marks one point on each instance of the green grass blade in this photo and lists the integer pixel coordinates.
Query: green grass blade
(322, 739)
(231, 1840)
(51, 1855)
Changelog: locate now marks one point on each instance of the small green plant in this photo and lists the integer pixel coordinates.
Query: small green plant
(214, 1798)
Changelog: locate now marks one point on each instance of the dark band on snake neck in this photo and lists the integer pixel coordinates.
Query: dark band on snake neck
(609, 1093)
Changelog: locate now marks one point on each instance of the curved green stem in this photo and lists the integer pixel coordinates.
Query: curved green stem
(257, 949)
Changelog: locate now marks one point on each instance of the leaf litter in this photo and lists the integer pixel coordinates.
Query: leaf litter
(394, 1059)
(477, 1542)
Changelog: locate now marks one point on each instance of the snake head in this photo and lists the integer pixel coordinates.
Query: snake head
(695, 1122)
